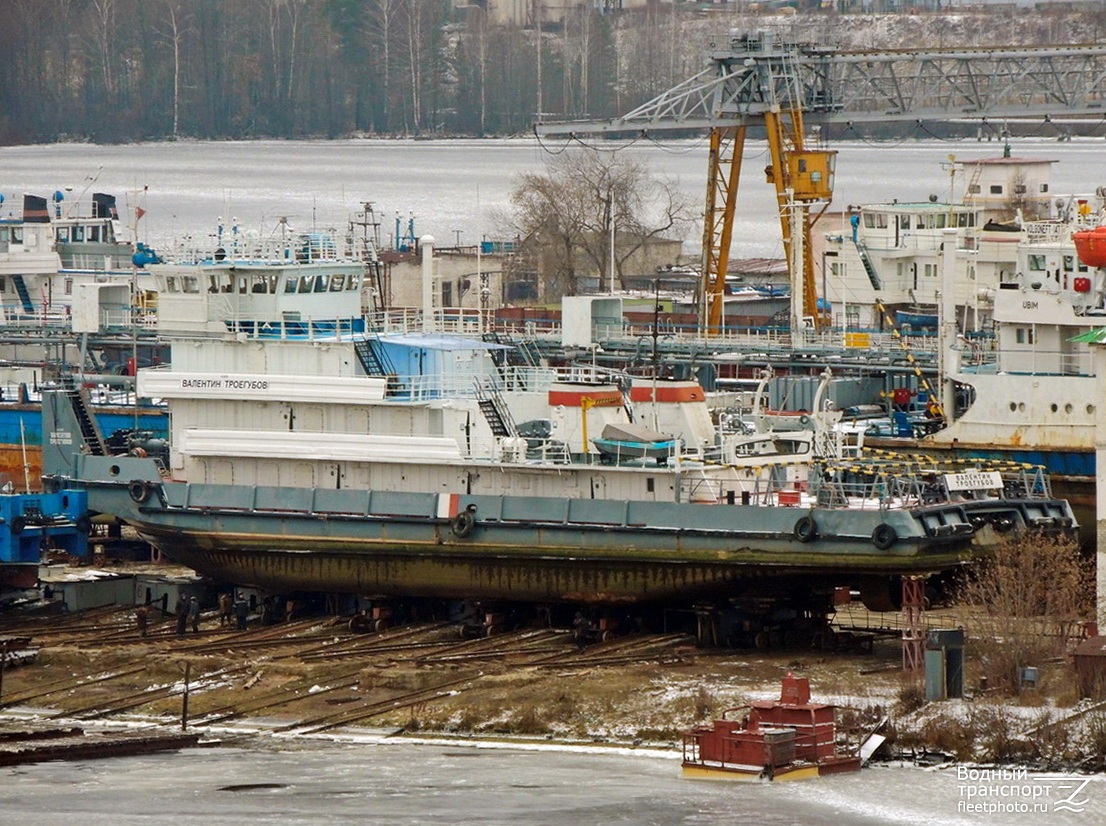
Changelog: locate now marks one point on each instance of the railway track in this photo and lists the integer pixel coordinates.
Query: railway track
(314, 671)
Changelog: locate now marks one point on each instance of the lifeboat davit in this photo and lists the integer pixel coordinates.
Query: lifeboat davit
(1090, 244)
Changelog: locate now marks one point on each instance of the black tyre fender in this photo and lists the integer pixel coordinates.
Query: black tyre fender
(463, 523)
(83, 525)
(806, 529)
(139, 491)
(884, 536)
(18, 523)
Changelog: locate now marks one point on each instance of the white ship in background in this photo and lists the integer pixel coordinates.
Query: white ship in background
(1018, 381)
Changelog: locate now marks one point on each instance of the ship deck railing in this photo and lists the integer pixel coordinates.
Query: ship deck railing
(856, 484)
(235, 247)
(111, 317)
(1038, 362)
(622, 334)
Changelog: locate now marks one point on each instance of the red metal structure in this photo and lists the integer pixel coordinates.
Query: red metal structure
(789, 739)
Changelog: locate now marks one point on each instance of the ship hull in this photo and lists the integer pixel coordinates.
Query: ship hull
(533, 548)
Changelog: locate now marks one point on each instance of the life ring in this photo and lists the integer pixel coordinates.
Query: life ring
(884, 536)
(83, 525)
(138, 490)
(18, 523)
(806, 529)
(463, 523)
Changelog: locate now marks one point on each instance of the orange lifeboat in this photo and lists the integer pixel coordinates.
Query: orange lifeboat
(1091, 246)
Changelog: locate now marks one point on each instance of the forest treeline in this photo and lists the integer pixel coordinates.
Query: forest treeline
(121, 70)
(111, 70)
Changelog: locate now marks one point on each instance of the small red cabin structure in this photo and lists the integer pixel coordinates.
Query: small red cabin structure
(789, 739)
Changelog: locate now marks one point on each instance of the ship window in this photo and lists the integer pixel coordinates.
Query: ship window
(17, 235)
(649, 485)
(1036, 262)
(996, 189)
(63, 235)
(352, 282)
(306, 283)
(337, 282)
(869, 221)
(1044, 187)
(1069, 262)
(212, 283)
(881, 221)
(260, 284)
(1019, 189)
(242, 282)
(93, 233)
(274, 282)
(171, 283)
(3, 284)
(290, 285)
(189, 284)
(78, 233)
(973, 189)
(320, 283)
(929, 270)
(69, 286)
(1019, 335)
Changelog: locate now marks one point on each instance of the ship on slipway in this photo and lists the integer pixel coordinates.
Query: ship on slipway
(307, 453)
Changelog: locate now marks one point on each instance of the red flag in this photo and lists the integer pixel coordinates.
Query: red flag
(138, 213)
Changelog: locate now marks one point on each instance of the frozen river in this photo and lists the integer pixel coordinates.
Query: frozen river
(397, 783)
(458, 190)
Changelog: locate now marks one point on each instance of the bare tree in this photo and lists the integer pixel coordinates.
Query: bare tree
(588, 213)
(1031, 594)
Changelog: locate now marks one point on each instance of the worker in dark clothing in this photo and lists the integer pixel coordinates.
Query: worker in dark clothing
(194, 614)
(226, 608)
(242, 612)
(580, 628)
(142, 619)
(181, 611)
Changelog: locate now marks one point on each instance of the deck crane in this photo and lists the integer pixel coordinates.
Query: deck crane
(761, 80)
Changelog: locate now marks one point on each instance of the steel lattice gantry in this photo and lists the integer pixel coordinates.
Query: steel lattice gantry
(950, 84)
(761, 80)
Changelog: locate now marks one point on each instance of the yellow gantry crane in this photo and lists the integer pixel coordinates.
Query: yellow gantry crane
(760, 80)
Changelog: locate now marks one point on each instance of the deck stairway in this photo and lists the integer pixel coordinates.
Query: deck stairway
(89, 429)
(24, 295)
(869, 267)
(495, 410)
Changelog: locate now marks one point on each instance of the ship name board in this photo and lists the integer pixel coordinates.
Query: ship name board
(61, 437)
(973, 480)
(224, 384)
(1030, 305)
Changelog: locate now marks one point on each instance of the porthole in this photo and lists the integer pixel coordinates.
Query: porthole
(1055, 407)
(1068, 408)
(1090, 409)
(1013, 407)
(1021, 407)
